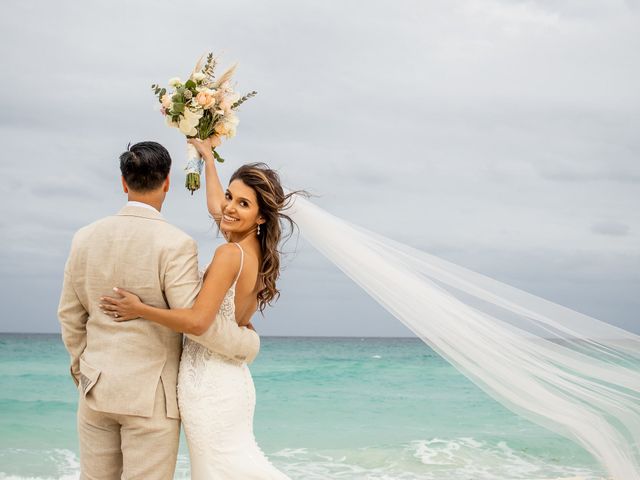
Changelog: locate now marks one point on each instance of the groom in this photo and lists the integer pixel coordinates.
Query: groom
(126, 372)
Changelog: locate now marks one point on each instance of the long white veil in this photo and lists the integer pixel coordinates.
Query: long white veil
(566, 371)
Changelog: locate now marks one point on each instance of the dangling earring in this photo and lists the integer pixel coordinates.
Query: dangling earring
(258, 233)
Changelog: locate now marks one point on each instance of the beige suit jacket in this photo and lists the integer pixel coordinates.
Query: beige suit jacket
(117, 365)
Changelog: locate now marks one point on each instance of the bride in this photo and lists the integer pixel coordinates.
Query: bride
(216, 395)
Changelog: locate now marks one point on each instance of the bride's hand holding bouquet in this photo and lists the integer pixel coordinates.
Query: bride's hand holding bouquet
(206, 147)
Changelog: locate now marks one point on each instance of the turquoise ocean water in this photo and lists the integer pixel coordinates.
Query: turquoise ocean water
(327, 408)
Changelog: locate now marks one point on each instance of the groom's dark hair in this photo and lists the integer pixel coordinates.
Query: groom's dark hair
(145, 166)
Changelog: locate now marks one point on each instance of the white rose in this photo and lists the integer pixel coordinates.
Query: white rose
(233, 123)
(232, 119)
(198, 76)
(174, 82)
(189, 121)
(232, 131)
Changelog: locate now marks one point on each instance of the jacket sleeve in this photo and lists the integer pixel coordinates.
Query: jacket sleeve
(182, 282)
(73, 319)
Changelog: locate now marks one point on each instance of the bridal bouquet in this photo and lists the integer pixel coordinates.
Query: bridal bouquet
(201, 107)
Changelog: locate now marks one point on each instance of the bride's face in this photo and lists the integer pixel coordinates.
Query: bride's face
(239, 208)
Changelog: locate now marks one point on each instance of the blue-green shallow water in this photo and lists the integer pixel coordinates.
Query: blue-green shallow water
(343, 408)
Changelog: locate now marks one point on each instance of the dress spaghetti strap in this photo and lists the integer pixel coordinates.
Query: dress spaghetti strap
(241, 263)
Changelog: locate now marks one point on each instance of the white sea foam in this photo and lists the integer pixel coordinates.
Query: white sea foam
(430, 459)
(470, 458)
(65, 462)
(67, 466)
(433, 459)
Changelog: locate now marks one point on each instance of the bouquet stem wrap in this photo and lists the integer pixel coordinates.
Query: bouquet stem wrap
(193, 168)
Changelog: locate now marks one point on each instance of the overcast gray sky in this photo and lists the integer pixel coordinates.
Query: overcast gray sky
(500, 135)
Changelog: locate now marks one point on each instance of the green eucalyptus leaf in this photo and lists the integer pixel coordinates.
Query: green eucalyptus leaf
(217, 156)
(178, 107)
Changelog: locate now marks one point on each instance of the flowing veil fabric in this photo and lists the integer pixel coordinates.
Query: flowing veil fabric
(566, 371)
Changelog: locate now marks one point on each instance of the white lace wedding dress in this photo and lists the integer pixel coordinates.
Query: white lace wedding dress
(217, 400)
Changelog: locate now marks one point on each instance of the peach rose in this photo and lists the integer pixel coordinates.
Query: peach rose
(220, 128)
(227, 126)
(202, 98)
(205, 100)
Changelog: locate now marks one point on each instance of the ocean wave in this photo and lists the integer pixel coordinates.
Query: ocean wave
(477, 459)
(65, 462)
(426, 459)
(429, 459)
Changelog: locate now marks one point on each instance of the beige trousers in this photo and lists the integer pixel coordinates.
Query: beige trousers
(127, 447)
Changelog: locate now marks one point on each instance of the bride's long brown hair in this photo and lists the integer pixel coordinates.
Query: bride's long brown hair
(272, 201)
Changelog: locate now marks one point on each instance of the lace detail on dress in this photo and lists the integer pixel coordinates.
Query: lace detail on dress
(217, 400)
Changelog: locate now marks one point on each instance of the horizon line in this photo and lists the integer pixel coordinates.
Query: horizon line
(261, 336)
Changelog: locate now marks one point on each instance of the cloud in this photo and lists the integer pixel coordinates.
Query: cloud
(490, 132)
(634, 5)
(610, 227)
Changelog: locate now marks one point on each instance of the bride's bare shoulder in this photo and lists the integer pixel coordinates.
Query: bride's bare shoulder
(227, 252)
(226, 257)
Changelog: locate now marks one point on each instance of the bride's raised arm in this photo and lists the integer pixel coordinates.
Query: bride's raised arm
(215, 191)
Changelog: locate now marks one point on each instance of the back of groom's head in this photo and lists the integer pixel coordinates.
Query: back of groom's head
(145, 166)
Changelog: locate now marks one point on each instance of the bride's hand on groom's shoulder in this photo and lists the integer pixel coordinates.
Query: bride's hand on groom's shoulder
(125, 307)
